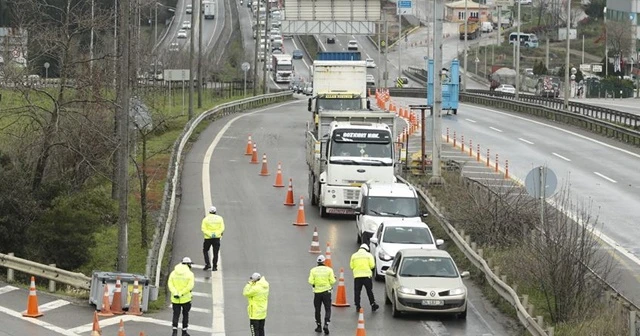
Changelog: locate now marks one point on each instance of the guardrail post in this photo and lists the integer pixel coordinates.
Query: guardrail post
(467, 239)
(10, 273)
(540, 321)
(506, 169)
(525, 300)
(474, 246)
(480, 253)
(52, 284)
(550, 331)
(496, 271)
(632, 323)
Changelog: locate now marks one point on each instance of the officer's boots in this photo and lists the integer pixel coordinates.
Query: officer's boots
(326, 328)
(318, 327)
(185, 333)
(175, 332)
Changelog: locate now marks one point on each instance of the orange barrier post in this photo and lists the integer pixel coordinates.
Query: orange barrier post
(327, 254)
(121, 328)
(289, 198)
(478, 154)
(315, 243)
(105, 310)
(95, 329)
(447, 134)
(506, 169)
(278, 183)
(488, 157)
(496, 163)
(249, 149)
(264, 171)
(361, 331)
(462, 143)
(116, 304)
(454, 139)
(341, 295)
(254, 155)
(32, 301)
(300, 219)
(470, 148)
(134, 307)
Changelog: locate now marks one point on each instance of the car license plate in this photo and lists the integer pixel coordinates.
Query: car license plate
(432, 302)
(340, 211)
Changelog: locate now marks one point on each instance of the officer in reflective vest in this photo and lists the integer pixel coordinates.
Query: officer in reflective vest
(361, 264)
(180, 283)
(321, 278)
(212, 229)
(257, 293)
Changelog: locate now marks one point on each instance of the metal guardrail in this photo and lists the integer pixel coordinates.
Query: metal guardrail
(168, 210)
(73, 279)
(504, 290)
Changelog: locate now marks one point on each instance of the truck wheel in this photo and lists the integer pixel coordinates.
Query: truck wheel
(455, 111)
(312, 194)
(323, 211)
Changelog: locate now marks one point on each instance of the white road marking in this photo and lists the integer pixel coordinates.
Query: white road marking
(562, 157)
(197, 310)
(53, 305)
(128, 318)
(475, 311)
(495, 129)
(215, 27)
(321, 45)
(217, 289)
(200, 294)
(203, 280)
(38, 322)
(525, 141)
(7, 289)
(606, 177)
(435, 327)
(296, 46)
(470, 120)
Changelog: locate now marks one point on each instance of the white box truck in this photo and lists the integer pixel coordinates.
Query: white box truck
(282, 68)
(209, 9)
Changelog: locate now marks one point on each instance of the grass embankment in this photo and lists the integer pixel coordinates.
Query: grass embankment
(599, 317)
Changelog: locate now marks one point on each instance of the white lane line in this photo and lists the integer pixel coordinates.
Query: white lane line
(296, 46)
(128, 318)
(562, 157)
(200, 294)
(217, 289)
(198, 310)
(525, 141)
(495, 129)
(274, 82)
(203, 280)
(435, 327)
(321, 44)
(40, 323)
(53, 305)
(475, 311)
(470, 120)
(606, 177)
(7, 289)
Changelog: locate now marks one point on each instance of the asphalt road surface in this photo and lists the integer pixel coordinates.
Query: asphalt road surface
(600, 171)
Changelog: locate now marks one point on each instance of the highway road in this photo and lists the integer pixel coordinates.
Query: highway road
(601, 172)
(628, 105)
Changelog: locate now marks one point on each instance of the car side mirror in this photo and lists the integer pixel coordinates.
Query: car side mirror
(439, 242)
(465, 274)
(390, 272)
(309, 105)
(374, 241)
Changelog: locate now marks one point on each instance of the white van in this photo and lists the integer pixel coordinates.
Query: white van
(487, 27)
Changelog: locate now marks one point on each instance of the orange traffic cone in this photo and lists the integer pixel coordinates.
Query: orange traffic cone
(116, 304)
(105, 310)
(289, 199)
(254, 154)
(360, 331)
(264, 171)
(134, 307)
(32, 301)
(327, 255)
(315, 244)
(121, 328)
(300, 220)
(278, 183)
(95, 330)
(341, 295)
(249, 149)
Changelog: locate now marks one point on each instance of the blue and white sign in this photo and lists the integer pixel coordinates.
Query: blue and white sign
(404, 7)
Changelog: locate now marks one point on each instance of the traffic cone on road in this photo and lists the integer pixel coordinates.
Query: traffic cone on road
(360, 331)
(264, 171)
(105, 310)
(278, 183)
(121, 328)
(341, 295)
(249, 149)
(134, 307)
(32, 301)
(300, 220)
(95, 330)
(315, 243)
(254, 154)
(116, 304)
(328, 262)
(289, 199)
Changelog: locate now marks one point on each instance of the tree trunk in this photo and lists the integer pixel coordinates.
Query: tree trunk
(143, 194)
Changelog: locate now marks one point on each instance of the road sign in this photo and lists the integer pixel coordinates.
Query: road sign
(245, 66)
(503, 3)
(596, 67)
(16, 53)
(404, 7)
(404, 4)
(46, 65)
(170, 75)
(536, 178)
(585, 67)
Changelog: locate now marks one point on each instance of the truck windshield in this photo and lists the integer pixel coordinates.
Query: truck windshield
(285, 67)
(361, 143)
(392, 207)
(338, 104)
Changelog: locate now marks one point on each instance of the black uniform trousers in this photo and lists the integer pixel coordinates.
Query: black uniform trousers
(185, 308)
(208, 243)
(368, 285)
(257, 327)
(320, 299)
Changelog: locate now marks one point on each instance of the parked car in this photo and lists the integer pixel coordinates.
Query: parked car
(331, 39)
(425, 281)
(395, 234)
(507, 88)
(370, 63)
(297, 54)
(352, 45)
(186, 25)
(182, 33)
(189, 9)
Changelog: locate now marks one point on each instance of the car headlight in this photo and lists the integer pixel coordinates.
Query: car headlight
(457, 291)
(405, 290)
(384, 256)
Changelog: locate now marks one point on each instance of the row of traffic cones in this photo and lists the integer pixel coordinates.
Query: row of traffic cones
(97, 331)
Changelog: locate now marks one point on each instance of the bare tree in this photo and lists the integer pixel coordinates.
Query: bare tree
(619, 38)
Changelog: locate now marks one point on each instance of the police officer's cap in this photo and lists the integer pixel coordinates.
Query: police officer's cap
(365, 246)
(213, 210)
(321, 259)
(187, 261)
(255, 277)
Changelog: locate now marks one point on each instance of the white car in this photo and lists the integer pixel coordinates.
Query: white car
(425, 281)
(182, 33)
(507, 88)
(189, 9)
(370, 63)
(352, 45)
(397, 234)
(186, 25)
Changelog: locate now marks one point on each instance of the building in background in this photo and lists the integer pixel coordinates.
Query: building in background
(626, 11)
(13, 46)
(454, 11)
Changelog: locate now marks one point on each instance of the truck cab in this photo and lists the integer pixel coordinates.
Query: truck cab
(336, 101)
(379, 202)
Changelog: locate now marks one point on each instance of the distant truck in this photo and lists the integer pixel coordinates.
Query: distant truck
(282, 68)
(209, 9)
(473, 29)
(450, 86)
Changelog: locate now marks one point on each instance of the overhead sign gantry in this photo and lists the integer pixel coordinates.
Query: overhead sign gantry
(331, 17)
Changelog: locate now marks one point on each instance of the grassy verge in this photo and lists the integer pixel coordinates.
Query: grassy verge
(310, 44)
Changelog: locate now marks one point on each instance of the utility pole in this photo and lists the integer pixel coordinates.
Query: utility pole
(499, 32)
(379, 26)
(91, 41)
(123, 135)
(436, 178)
(386, 51)
(200, 76)
(466, 45)
(546, 58)
(267, 50)
(400, 42)
(567, 67)
(192, 45)
(606, 45)
(518, 53)
(255, 56)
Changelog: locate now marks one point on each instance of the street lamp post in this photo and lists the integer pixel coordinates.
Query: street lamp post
(518, 53)
(606, 45)
(567, 83)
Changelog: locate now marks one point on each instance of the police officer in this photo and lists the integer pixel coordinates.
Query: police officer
(321, 278)
(213, 229)
(181, 281)
(257, 293)
(361, 264)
